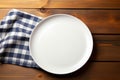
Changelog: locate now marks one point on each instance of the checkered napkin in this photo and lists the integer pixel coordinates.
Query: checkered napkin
(15, 31)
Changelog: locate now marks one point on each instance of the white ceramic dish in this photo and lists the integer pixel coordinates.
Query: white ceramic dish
(61, 44)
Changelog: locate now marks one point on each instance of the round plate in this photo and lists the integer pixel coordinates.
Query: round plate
(61, 44)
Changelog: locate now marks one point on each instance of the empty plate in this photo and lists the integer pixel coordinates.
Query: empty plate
(61, 44)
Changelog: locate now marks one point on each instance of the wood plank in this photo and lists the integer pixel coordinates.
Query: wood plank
(98, 21)
(91, 71)
(106, 48)
(22, 4)
(60, 4)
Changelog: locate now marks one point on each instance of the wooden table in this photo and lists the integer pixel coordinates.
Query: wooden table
(103, 19)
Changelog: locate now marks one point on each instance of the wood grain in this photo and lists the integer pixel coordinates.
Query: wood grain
(98, 21)
(106, 48)
(91, 71)
(60, 4)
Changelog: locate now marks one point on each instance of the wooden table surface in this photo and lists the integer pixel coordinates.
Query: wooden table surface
(103, 19)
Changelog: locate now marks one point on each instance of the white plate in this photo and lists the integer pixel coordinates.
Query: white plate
(61, 44)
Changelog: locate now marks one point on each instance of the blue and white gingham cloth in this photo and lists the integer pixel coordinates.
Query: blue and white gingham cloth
(15, 31)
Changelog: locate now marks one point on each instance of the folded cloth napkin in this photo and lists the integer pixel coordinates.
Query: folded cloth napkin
(15, 31)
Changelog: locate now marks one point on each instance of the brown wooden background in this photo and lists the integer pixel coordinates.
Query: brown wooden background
(103, 19)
